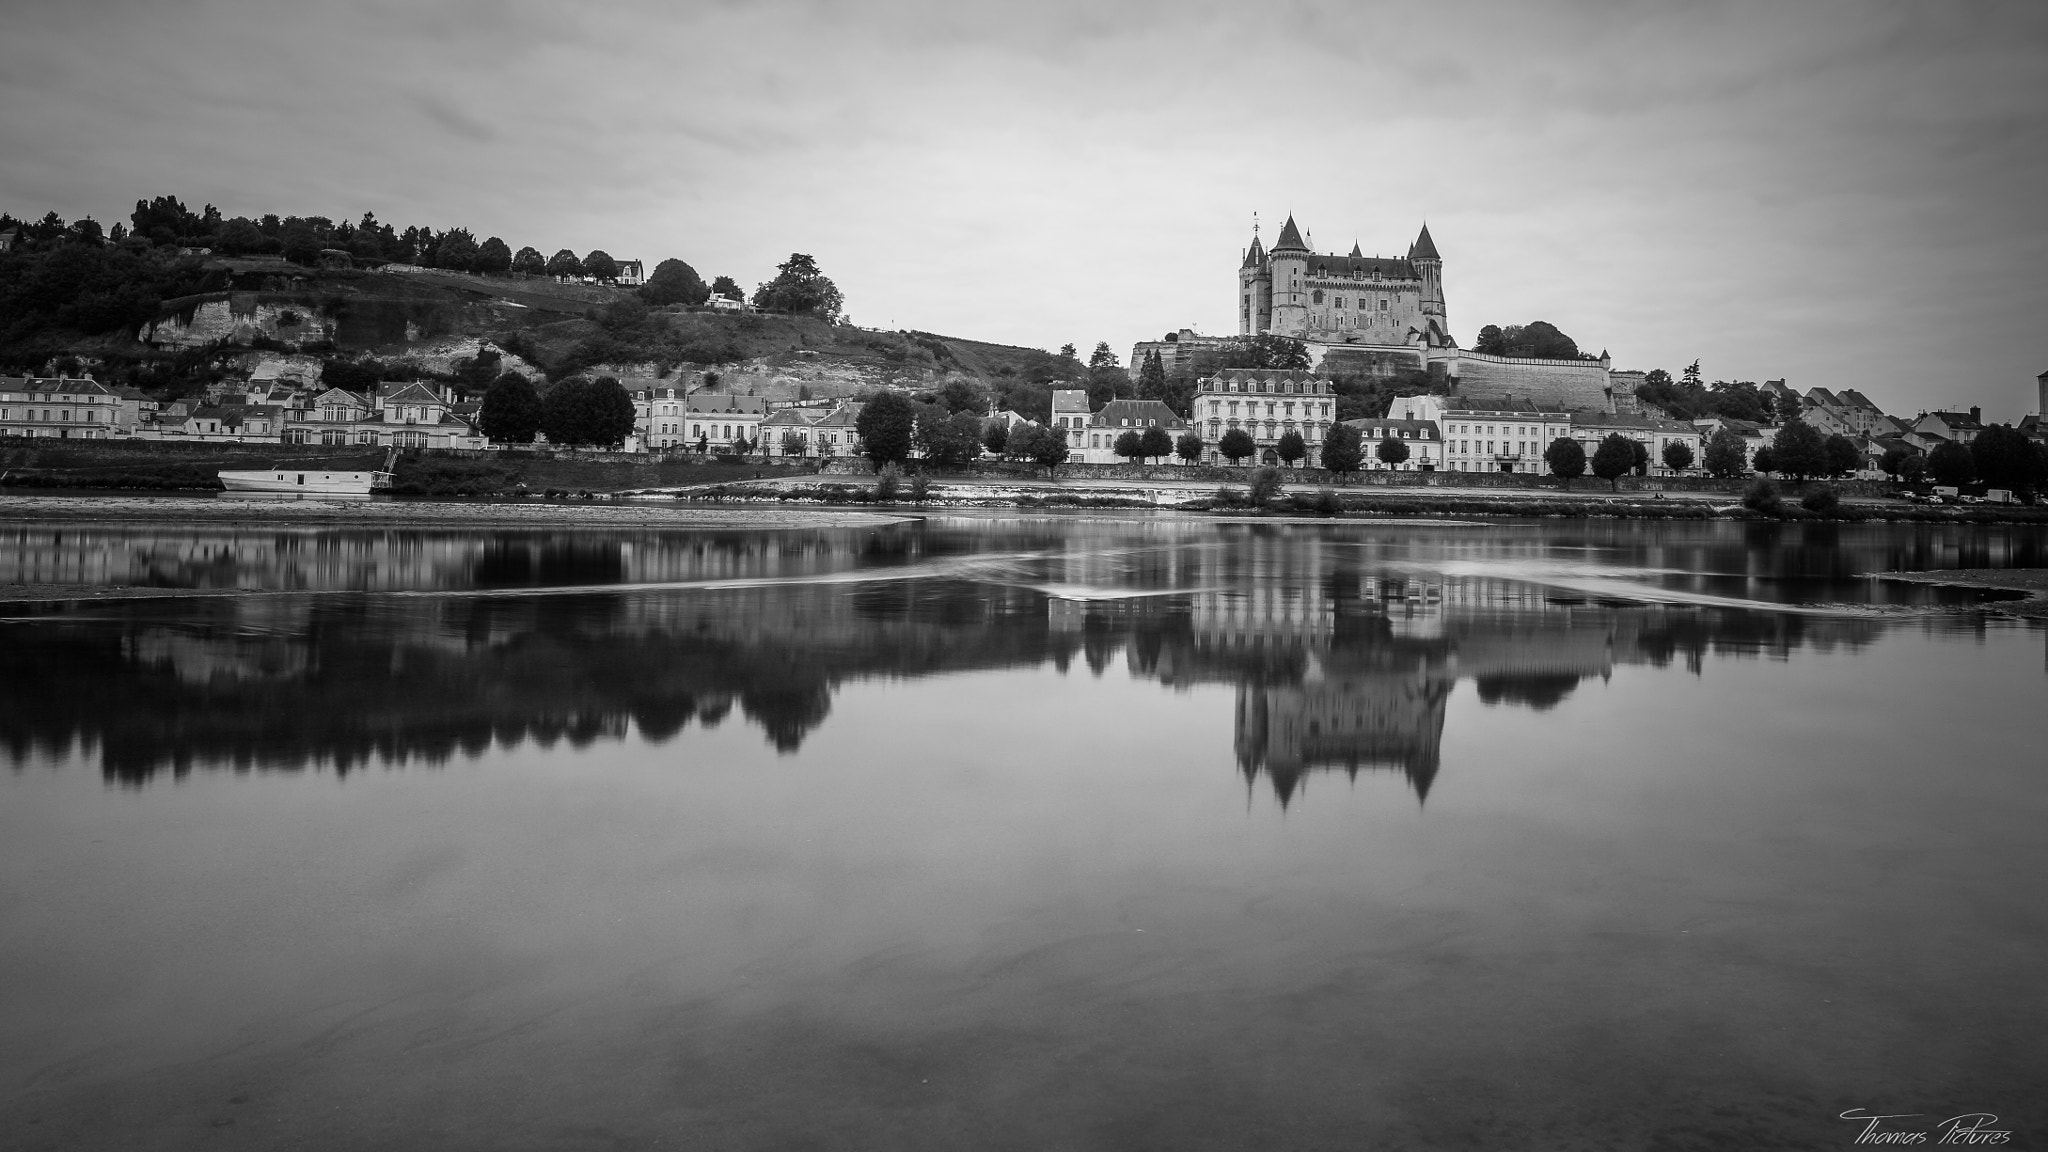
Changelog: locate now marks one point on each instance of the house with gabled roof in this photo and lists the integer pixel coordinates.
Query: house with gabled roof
(1932, 428)
(1098, 437)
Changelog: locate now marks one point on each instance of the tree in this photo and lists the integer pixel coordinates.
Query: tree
(727, 288)
(1691, 376)
(1537, 339)
(1155, 443)
(580, 411)
(1726, 455)
(494, 257)
(1567, 459)
(1391, 451)
(1798, 450)
(1265, 351)
(2005, 458)
(1764, 460)
(239, 237)
(963, 395)
(1913, 469)
(1291, 448)
(675, 282)
(1613, 459)
(1129, 445)
(565, 263)
(1152, 383)
(1343, 448)
(1677, 455)
(1657, 378)
(1236, 445)
(1189, 447)
(529, 262)
(456, 252)
(1892, 463)
(1049, 448)
(793, 443)
(599, 264)
(1951, 464)
(1102, 357)
(946, 438)
(996, 437)
(301, 245)
(351, 375)
(511, 410)
(885, 425)
(1641, 455)
(800, 287)
(1841, 455)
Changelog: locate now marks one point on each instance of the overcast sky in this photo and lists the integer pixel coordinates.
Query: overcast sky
(1844, 195)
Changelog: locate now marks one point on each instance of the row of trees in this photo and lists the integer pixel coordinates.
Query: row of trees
(576, 412)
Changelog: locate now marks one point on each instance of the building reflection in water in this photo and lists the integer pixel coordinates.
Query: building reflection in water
(1343, 652)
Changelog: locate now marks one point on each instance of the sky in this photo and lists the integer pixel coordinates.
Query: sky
(1836, 194)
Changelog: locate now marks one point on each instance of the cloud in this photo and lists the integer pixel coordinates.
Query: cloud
(1839, 194)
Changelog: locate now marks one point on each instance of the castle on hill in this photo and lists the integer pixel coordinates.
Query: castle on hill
(1357, 300)
(1378, 315)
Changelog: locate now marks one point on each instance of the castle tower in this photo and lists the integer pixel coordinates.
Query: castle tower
(1289, 264)
(2041, 407)
(1254, 290)
(1430, 267)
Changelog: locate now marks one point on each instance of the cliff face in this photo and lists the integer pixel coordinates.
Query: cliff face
(239, 318)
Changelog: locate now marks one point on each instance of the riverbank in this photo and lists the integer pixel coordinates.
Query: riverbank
(209, 509)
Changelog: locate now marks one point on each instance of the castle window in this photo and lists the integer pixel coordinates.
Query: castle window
(1316, 297)
(1339, 301)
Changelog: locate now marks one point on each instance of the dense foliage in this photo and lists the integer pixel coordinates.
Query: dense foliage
(1566, 458)
(1536, 340)
(581, 411)
(886, 425)
(1343, 448)
(801, 288)
(511, 410)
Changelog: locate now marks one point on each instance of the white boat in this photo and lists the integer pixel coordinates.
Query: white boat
(306, 483)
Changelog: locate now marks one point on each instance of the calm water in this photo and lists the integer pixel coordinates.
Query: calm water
(1020, 833)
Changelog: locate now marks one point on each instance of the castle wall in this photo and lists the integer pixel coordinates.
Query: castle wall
(1570, 384)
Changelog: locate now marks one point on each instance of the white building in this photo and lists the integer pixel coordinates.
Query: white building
(1423, 438)
(1266, 404)
(58, 408)
(1097, 442)
(1496, 434)
(716, 420)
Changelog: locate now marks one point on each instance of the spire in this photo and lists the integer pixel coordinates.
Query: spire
(1424, 248)
(1290, 237)
(1254, 255)
(1355, 253)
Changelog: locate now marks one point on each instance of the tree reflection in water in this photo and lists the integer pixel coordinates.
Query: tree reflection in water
(1344, 645)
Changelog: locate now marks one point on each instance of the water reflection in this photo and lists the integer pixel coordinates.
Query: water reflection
(1343, 645)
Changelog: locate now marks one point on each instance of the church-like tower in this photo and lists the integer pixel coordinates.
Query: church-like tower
(1254, 290)
(1288, 273)
(1430, 267)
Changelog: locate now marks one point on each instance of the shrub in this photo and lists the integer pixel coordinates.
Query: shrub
(1763, 498)
(1229, 497)
(920, 487)
(1820, 500)
(886, 484)
(1327, 502)
(1265, 487)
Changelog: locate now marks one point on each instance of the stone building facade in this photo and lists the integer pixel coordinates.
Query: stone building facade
(1266, 403)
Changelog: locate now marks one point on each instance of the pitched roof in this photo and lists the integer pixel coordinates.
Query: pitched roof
(842, 416)
(1857, 399)
(1586, 418)
(724, 402)
(1070, 400)
(1257, 375)
(1254, 255)
(791, 417)
(1290, 238)
(1424, 248)
(1355, 253)
(414, 393)
(1141, 413)
(1427, 428)
(1383, 267)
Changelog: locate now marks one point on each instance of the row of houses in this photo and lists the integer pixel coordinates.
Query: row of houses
(394, 415)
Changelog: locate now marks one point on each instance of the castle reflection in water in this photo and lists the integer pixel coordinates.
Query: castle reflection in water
(1343, 649)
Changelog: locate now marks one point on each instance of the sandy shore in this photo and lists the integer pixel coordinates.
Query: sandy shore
(2033, 581)
(431, 513)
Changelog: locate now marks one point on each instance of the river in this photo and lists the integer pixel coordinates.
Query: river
(1019, 832)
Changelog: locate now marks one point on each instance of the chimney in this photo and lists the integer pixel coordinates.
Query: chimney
(1976, 414)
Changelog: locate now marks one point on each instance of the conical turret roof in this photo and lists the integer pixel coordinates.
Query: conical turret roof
(1424, 248)
(1254, 255)
(1355, 253)
(1290, 238)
